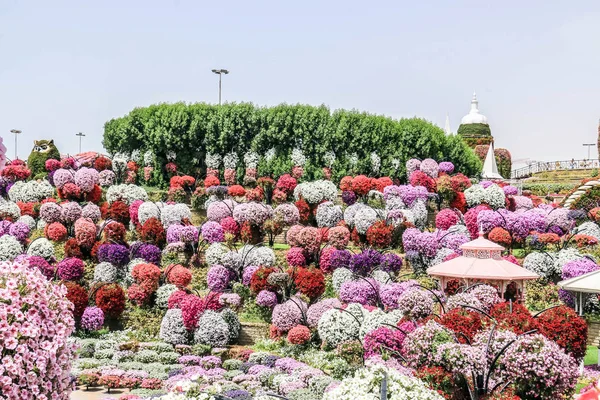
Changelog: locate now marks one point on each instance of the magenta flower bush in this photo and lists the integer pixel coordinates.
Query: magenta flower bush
(37, 320)
(383, 340)
(446, 218)
(70, 269)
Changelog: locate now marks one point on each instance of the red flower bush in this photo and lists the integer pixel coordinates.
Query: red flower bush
(346, 183)
(70, 191)
(72, 249)
(211, 181)
(111, 299)
(286, 184)
(419, 178)
(381, 183)
(52, 165)
(548, 238)
(361, 185)
(55, 231)
(585, 240)
(153, 232)
(178, 275)
(236, 191)
(31, 209)
(119, 211)
(95, 195)
(299, 334)
(15, 173)
(192, 307)
(465, 323)
(230, 226)
(115, 231)
(566, 328)
(519, 320)
(379, 235)
(459, 202)
(101, 163)
(171, 168)
(259, 279)
(304, 210)
(78, 296)
(295, 257)
(85, 232)
(141, 293)
(460, 183)
(146, 272)
(309, 281)
(500, 236)
(256, 194)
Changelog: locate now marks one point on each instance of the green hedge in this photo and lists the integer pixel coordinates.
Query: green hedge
(191, 130)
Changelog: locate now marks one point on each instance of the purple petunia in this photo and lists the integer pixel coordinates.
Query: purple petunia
(116, 254)
(92, 318)
(213, 232)
(364, 262)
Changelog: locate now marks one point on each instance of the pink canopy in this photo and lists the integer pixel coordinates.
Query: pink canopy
(482, 262)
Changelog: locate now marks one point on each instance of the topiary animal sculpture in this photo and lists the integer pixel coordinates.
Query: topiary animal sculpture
(42, 150)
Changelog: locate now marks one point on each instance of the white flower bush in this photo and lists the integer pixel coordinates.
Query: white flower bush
(257, 255)
(564, 256)
(543, 264)
(375, 162)
(174, 213)
(162, 295)
(364, 218)
(41, 247)
(148, 210)
(212, 330)
(171, 156)
(378, 318)
(475, 195)
(340, 275)
(270, 154)
(419, 210)
(315, 192)
(214, 254)
(136, 156)
(27, 220)
(212, 161)
(394, 203)
(298, 158)
(352, 160)
(172, 329)
(230, 160)
(329, 158)
(106, 272)
(126, 192)
(251, 159)
(10, 248)
(366, 385)
(350, 212)
(337, 326)
(9, 209)
(495, 197)
(148, 158)
(30, 192)
(328, 214)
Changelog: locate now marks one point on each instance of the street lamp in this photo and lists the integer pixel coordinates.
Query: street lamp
(80, 136)
(16, 132)
(220, 72)
(589, 145)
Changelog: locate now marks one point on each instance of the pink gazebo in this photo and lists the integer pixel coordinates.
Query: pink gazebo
(482, 262)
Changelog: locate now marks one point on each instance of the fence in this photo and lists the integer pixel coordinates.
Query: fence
(534, 168)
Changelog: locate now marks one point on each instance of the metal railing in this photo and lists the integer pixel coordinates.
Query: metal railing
(526, 172)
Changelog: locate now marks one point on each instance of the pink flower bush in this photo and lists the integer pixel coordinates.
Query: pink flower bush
(446, 218)
(70, 269)
(35, 323)
(295, 257)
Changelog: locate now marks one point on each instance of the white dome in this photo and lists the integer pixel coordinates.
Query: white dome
(474, 116)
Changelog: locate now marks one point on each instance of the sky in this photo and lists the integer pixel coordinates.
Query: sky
(70, 66)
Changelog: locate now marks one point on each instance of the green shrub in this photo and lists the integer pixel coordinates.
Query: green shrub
(540, 295)
(474, 130)
(192, 130)
(143, 323)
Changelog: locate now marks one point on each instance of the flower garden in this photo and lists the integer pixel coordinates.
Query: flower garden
(108, 282)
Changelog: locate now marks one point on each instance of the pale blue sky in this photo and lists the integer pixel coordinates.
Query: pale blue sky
(69, 66)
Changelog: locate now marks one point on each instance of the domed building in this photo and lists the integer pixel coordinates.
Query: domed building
(474, 128)
(476, 132)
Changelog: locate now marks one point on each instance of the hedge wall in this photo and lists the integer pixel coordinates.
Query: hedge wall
(191, 130)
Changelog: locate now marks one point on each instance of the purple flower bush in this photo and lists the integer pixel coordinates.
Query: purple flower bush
(184, 233)
(254, 213)
(147, 252)
(446, 167)
(50, 212)
(92, 318)
(360, 291)
(430, 167)
(266, 298)
(316, 310)
(86, 178)
(573, 269)
(391, 262)
(218, 278)
(70, 212)
(510, 190)
(19, 230)
(390, 293)
(365, 261)
(349, 197)
(116, 254)
(289, 314)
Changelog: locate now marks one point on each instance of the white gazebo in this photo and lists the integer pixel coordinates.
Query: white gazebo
(482, 262)
(490, 168)
(580, 286)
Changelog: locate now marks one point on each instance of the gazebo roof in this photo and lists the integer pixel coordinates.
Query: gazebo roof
(482, 260)
(587, 283)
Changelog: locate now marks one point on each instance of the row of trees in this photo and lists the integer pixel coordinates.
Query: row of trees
(192, 130)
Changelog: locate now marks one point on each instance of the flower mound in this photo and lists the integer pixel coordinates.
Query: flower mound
(36, 325)
(566, 328)
(298, 335)
(92, 319)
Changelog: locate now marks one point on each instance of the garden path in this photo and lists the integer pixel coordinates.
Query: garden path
(96, 394)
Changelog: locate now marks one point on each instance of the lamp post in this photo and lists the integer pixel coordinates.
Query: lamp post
(80, 136)
(588, 146)
(16, 132)
(220, 72)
